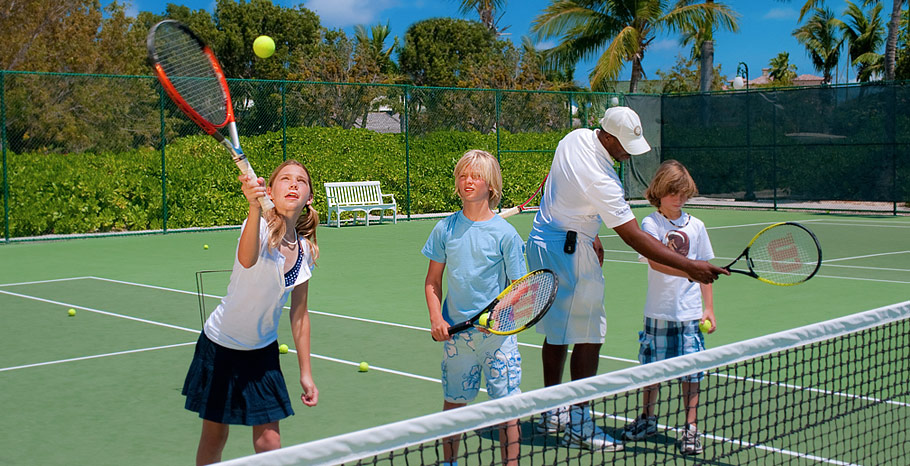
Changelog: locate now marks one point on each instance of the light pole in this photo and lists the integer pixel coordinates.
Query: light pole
(742, 77)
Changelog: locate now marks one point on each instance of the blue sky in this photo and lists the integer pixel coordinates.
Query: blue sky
(765, 28)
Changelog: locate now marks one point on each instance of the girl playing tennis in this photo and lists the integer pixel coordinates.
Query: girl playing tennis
(235, 376)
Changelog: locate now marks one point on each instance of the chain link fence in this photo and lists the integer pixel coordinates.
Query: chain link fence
(92, 153)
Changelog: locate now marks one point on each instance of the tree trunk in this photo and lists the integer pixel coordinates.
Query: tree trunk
(891, 44)
(706, 73)
(637, 71)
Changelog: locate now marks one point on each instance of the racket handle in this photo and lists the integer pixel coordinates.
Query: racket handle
(510, 212)
(244, 165)
(460, 327)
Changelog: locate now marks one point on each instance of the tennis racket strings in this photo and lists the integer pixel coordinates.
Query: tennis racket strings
(191, 72)
(787, 254)
(524, 303)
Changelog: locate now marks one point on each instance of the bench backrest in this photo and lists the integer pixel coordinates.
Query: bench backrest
(353, 193)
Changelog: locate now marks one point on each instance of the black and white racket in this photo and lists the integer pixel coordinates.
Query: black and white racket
(191, 76)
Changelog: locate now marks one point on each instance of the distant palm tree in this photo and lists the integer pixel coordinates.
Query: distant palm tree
(623, 29)
(782, 71)
(486, 10)
(893, 31)
(702, 41)
(373, 42)
(823, 43)
(865, 36)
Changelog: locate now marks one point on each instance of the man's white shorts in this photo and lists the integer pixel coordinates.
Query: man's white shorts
(577, 315)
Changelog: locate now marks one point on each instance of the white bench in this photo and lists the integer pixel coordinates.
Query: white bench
(358, 196)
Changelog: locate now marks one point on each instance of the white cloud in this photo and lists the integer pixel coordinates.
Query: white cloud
(545, 44)
(781, 13)
(663, 45)
(342, 13)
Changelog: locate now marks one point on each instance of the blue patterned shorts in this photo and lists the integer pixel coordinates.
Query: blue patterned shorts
(664, 339)
(472, 353)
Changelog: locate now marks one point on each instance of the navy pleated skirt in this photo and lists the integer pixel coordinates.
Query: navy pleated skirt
(236, 387)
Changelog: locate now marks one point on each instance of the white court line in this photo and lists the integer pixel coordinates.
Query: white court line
(867, 255)
(405, 374)
(38, 282)
(161, 324)
(736, 442)
(83, 358)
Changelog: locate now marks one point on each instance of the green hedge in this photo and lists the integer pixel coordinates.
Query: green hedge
(118, 192)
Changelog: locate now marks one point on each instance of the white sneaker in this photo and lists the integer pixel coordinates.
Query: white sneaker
(553, 421)
(582, 432)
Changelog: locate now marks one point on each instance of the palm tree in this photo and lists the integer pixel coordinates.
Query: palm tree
(820, 37)
(373, 42)
(865, 36)
(893, 31)
(702, 41)
(622, 29)
(486, 10)
(782, 71)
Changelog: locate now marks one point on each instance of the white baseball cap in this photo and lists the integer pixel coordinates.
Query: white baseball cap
(624, 124)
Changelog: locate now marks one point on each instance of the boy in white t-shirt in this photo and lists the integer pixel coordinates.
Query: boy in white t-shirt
(674, 305)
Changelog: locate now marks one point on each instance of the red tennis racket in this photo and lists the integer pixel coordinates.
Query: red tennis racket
(525, 205)
(191, 76)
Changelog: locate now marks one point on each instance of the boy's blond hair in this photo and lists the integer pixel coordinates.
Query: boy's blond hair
(486, 165)
(671, 178)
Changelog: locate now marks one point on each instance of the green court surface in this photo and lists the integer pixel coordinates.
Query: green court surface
(103, 387)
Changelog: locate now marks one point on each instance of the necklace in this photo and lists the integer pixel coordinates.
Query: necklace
(290, 244)
(688, 217)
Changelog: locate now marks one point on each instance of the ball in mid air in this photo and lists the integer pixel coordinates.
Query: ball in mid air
(71, 312)
(283, 349)
(205, 246)
(363, 367)
(263, 46)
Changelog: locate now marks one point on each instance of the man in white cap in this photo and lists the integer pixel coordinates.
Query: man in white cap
(582, 191)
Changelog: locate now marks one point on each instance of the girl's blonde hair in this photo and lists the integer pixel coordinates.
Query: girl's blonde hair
(671, 178)
(486, 165)
(306, 223)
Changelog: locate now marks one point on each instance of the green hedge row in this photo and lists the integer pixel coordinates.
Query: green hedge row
(114, 192)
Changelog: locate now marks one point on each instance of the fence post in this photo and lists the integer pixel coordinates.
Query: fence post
(407, 148)
(163, 166)
(3, 149)
(284, 125)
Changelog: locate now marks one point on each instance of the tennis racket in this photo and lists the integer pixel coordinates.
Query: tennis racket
(784, 254)
(192, 77)
(523, 207)
(517, 308)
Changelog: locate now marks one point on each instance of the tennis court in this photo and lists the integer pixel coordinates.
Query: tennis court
(103, 386)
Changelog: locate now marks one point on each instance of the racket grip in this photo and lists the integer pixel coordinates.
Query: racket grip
(247, 169)
(460, 327)
(510, 212)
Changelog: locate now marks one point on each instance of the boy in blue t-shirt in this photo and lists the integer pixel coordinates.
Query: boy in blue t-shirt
(484, 254)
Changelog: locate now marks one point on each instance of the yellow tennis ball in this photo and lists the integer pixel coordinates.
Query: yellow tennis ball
(705, 326)
(363, 367)
(263, 46)
(71, 312)
(484, 319)
(282, 348)
(205, 246)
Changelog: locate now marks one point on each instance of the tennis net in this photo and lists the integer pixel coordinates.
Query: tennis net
(835, 392)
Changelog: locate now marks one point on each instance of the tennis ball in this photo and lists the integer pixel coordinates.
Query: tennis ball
(282, 348)
(205, 246)
(71, 312)
(263, 46)
(484, 319)
(705, 326)
(364, 367)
